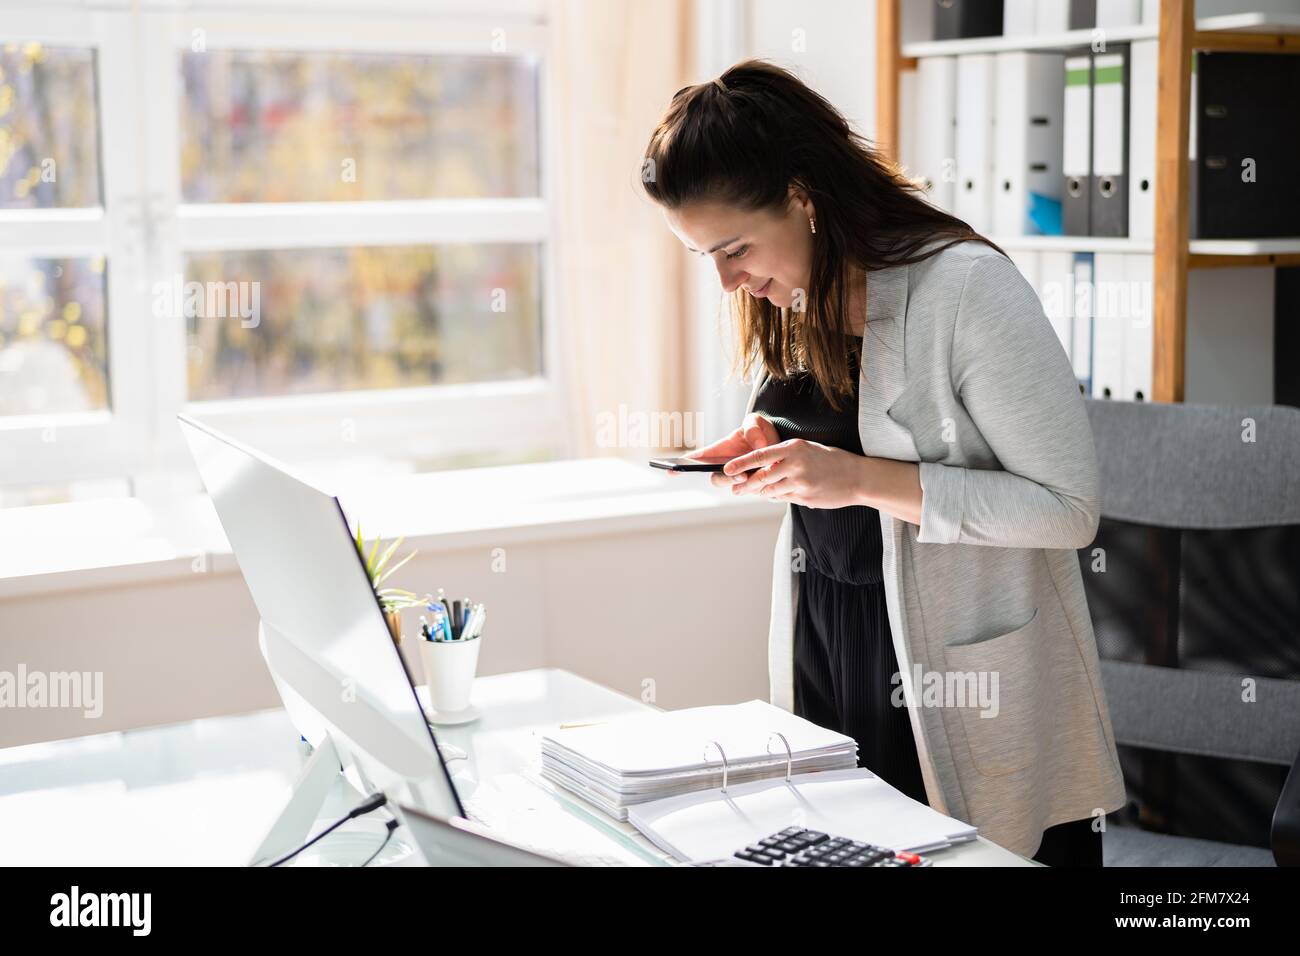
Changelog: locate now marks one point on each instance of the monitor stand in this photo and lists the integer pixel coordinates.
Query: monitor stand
(323, 782)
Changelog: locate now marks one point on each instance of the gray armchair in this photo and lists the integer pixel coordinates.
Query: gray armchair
(1193, 582)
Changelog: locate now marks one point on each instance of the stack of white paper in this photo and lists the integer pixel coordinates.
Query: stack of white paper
(632, 760)
(853, 804)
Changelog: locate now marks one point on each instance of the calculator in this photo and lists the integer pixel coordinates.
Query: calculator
(798, 846)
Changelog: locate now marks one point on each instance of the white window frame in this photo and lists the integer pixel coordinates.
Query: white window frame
(144, 231)
(51, 448)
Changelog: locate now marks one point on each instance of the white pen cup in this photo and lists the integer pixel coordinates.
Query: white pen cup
(449, 668)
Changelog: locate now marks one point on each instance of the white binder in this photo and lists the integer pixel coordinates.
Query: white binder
(1081, 322)
(1028, 125)
(855, 804)
(908, 83)
(1139, 330)
(1051, 16)
(617, 764)
(1143, 61)
(1018, 18)
(975, 94)
(1193, 162)
(1109, 162)
(1118, 13)
(1030, 264)
(936, 131)
(1142, 139)
(1027, 261)
(1076, 159)
(917, 22)
(1111, 308)
(1055, 287)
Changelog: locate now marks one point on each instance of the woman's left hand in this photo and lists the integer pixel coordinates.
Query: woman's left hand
(801, 472)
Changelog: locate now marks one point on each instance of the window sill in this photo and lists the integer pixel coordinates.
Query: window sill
(119, 541)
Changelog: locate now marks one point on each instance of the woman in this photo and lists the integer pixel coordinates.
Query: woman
(916, 413)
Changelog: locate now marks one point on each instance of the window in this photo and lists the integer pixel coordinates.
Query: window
(47, 105)
(53, 343)
(381, 317)
(53, 346)
(272, 126)
(328, 234)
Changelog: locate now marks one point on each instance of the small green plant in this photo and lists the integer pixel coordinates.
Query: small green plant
(392, 600)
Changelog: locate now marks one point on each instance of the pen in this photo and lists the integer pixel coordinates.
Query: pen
(446, 616)
(439, 623)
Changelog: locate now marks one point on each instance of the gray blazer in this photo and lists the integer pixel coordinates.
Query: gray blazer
(962, 372)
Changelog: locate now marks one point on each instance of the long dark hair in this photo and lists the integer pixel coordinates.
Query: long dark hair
(744, 139)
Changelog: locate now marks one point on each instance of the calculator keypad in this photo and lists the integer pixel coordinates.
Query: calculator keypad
(797, 846)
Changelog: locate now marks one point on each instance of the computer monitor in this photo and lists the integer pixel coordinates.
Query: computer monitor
(323, 634)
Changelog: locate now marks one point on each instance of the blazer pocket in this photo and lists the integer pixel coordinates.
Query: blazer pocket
(1003, 714)
(916, 414)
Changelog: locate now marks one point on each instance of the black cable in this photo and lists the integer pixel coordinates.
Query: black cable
(392, 825)
(370, 806)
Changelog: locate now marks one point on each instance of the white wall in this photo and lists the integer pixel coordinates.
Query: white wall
(1216, 8)
(1230, 336)
(686, 609)
(830, 44)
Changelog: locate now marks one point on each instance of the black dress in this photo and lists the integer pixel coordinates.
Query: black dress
(844, 663)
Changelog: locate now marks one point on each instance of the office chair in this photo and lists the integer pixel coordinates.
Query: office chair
(1193, 582)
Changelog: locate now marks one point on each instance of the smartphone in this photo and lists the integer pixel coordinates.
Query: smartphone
(689, 464)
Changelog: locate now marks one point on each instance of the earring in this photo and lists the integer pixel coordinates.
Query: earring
(812, 224)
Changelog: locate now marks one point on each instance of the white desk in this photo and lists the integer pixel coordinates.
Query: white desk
(204, 792)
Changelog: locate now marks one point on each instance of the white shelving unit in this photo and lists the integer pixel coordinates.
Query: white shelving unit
(1075, 244)
(1262, 23)
(1046, 41)
(1179, 35)
(1244, 247)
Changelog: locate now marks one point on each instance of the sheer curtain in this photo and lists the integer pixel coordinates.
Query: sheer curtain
(614, 66)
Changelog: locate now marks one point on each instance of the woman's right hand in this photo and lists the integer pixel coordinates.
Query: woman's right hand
(755, 432)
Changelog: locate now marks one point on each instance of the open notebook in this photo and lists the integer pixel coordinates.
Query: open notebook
(710, 825)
